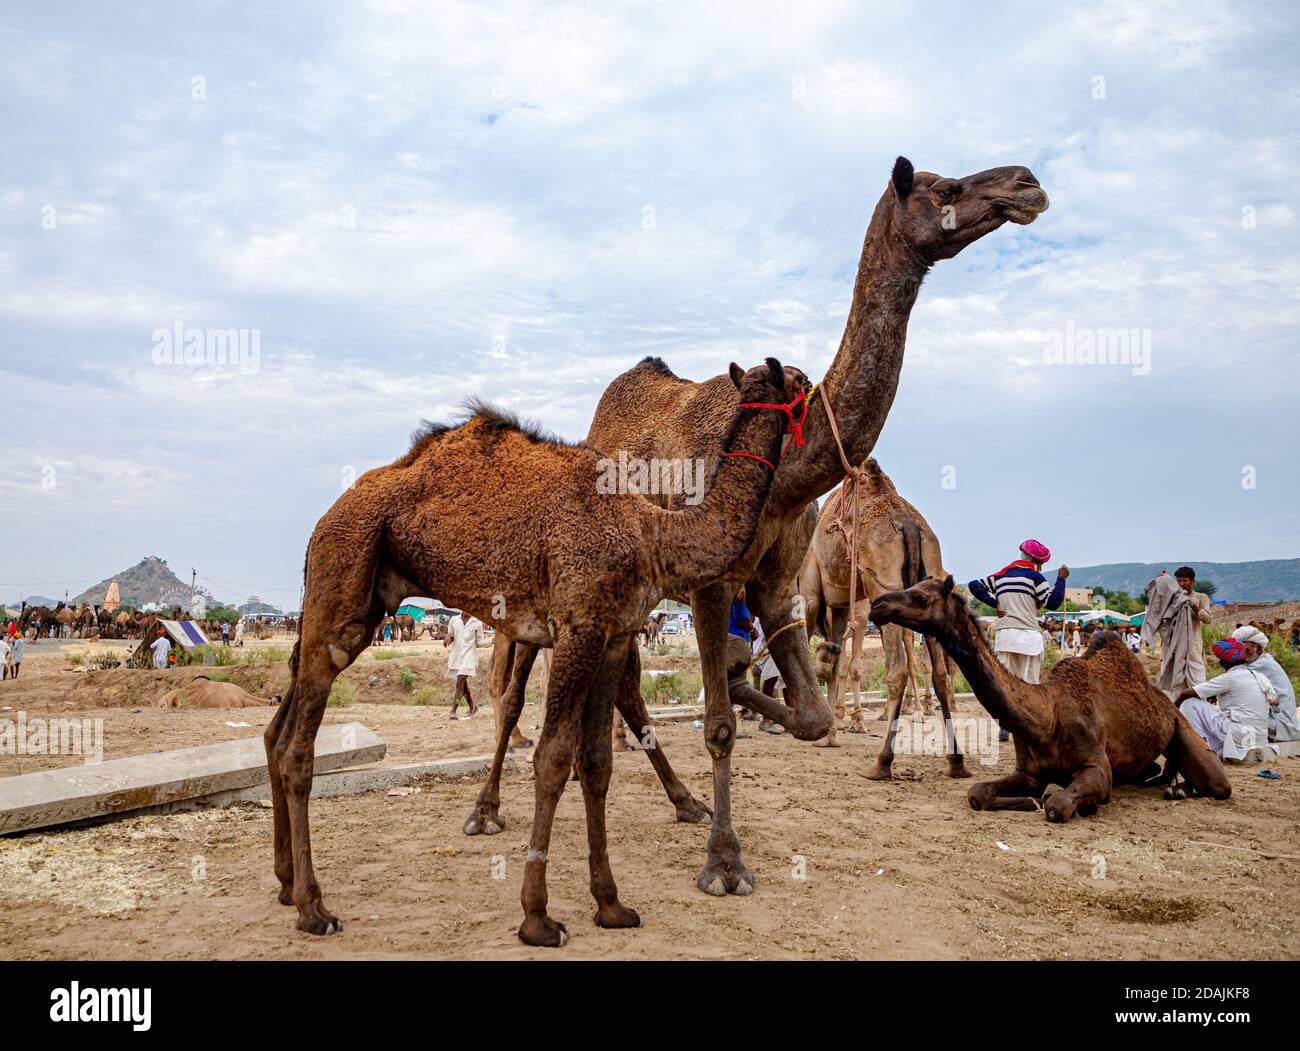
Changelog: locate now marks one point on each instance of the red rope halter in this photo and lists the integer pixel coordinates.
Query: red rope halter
(795, 427)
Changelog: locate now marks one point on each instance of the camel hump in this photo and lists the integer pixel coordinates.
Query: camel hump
(658, 365)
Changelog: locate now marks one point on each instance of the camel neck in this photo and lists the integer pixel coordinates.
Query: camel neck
(1013, 703)
(702, 541)
(863, 378)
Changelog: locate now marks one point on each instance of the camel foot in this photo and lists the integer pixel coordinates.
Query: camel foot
(543, 932)
(693, 812)
(827, 742)
(286, 895)
(483, 823)
(620, 745)
(519, 741)
(1058, 808)
(957, 768)
(880, 772)
(719, 879)
(615, 915)
(314, 918)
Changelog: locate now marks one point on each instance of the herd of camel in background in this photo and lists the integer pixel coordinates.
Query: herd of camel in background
(99, 622)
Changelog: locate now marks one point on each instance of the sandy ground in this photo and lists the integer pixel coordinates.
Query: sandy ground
(846, 868)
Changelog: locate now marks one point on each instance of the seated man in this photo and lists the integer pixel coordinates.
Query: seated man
(1282, 724)
(1240, 722)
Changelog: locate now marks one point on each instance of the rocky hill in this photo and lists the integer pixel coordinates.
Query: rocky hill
(149, 580)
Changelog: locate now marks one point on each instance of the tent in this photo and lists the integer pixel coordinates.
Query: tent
(184, 633)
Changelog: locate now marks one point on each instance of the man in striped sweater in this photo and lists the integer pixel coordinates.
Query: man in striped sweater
(1018, 591)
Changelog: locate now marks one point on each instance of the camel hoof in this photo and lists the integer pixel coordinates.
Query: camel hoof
(959, 770)
(320, 922)
(694, 813)
(826, 742)
(879, 773)
(483, 824)
(543, 932)
(718, 878)
(616, 916)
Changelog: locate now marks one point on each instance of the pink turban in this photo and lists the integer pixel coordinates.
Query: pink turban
(1034, 550)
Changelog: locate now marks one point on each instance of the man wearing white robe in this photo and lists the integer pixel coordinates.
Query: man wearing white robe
(1282, 723)
(464, 636)
(1240, 722)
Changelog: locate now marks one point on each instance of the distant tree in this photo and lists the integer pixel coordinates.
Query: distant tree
(1206, 587)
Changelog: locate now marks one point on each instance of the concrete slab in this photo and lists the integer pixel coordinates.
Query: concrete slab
(75, 793)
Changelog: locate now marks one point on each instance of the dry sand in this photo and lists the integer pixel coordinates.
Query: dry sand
(846, 868)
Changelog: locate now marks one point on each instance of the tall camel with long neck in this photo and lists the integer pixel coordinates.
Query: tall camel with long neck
(507, 524)
(920, 219)
(896, 549)
(1095, 721)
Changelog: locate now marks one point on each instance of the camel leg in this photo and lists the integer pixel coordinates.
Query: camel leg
(279, 806)
(1017, 791)
(576, 662)
(1089, 790)
(486, 816)
(631, 707)
(724, 871)
(839, 679)
(943, 687)
(595, 761)
(501, 666)
(891, 637)
(1189, 755)
(769, 595)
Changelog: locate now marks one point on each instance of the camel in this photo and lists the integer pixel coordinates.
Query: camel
(649, 631)
(1094, 722)
(896, 549)
(920, 219)
(493, 510)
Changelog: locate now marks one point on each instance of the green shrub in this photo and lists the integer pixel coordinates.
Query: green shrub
(407, 677)
(392, 655)
(424, 696)
(342, 695)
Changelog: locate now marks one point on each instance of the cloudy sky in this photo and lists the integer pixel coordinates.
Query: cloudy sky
(411, 203)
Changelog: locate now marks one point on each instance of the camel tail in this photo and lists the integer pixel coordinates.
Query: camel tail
(913, 559)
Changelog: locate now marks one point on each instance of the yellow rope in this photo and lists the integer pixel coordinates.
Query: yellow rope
(768, 641)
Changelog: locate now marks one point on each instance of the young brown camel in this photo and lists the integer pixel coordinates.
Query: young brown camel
(1095, 721)
(896, 549)
(497, 519)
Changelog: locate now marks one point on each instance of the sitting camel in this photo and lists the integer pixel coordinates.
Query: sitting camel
(1095, 721)
(495, 518)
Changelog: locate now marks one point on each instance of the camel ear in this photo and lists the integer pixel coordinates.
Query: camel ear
(777, 373)
(737, 374)
(902, 177)
(947, 586)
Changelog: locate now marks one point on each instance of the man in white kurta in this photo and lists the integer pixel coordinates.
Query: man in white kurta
(464, 636)
(161, 647)
(1240, 722)
(1282, 722)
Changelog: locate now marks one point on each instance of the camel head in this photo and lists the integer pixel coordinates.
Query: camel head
(938, 217)
(928, 607)
(763, 383)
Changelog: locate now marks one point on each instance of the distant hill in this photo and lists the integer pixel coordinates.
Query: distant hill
(149, 580)
(1269, 580)
(34, 600)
